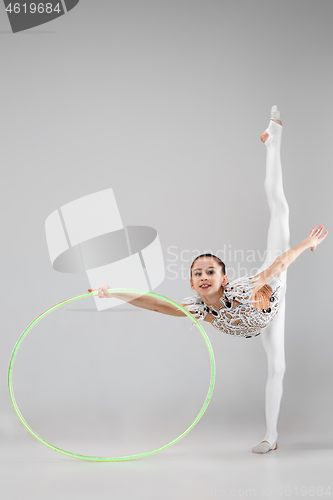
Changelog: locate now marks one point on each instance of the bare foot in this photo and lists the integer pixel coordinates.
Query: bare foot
(264, 137)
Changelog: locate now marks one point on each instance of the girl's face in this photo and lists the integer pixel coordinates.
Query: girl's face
(207, 278)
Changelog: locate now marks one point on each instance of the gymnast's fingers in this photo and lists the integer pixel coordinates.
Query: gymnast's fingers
(323, 236)
(103, 291)
(312, 230)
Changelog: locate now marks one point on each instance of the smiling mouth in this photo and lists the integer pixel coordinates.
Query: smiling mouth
(204, 286)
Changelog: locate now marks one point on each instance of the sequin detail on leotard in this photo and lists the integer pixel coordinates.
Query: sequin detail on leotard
(236, 313)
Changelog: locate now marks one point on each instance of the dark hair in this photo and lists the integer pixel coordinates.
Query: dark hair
(218, 260)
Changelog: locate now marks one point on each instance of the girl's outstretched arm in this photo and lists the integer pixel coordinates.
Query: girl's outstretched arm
(283, 261)
(142, 301)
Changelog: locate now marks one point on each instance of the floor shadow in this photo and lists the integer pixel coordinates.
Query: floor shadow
(307, 446)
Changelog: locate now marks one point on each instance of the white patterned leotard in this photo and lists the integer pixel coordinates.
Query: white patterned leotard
(235, 313)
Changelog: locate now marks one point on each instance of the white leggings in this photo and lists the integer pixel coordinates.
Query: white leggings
(278, 241)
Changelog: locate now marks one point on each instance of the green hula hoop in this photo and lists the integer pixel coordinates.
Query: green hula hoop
(128, 457)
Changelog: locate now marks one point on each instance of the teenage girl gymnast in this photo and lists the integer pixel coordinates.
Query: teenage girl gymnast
(247, 306)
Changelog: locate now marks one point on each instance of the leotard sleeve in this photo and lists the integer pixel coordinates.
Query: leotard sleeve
(241, 290)
(196, 306)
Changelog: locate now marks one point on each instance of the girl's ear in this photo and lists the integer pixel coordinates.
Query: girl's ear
(191, 283)
(225, 280)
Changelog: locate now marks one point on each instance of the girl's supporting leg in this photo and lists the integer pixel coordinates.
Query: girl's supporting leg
(277, 243)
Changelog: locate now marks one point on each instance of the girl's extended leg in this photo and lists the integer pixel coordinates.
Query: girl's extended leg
(277, 243)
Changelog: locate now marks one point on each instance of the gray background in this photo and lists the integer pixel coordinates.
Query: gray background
(164, 101)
